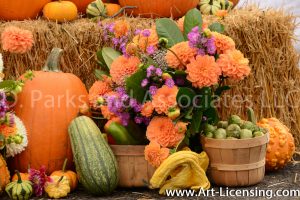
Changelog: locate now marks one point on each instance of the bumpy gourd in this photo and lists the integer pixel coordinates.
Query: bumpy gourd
(60, 187)
(20, 189)
(281, 146)
(4, 174)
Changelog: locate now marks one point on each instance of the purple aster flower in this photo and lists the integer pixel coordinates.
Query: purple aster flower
(115, 41)
(124, 118)
(150, 50)
(39, 179)
(138, 120)
(150, 70)
(133, 103)
(121, 90)
(146, 33)
(145, 82)
(153, 90)
(137, 31)
(201, 52)
(137, 108)
(210, 45)
(169, 82)
(158, 72)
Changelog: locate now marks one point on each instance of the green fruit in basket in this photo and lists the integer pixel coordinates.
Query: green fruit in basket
(220, 134)
(262, 130)
(233, 130)
(258, 134)
(234, 119)
(249, 125)
(246, 134)
(209, 135)
(209, 128)
(222, 124)
(121, 134)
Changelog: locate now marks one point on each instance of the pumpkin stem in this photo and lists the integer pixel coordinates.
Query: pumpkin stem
(53, 60)
(61, 178)
(122, 10)
(19, 176)
(64, 165)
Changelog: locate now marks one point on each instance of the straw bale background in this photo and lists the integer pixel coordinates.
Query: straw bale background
(265, 37)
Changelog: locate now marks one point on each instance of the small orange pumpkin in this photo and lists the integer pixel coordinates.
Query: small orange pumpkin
(24, 177)
(4, 174)
(70, 175)
(281, 146)
(60, 11)
(112, 9)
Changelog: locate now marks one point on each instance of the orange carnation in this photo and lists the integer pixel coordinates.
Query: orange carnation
(155, 155)
(147, 109)
(234, 65)
(164, 99)
(144, 42)
(184, 54)
(203, 71)
(99, 88)
(223, 42)
(180, 24)
(122, 67)
(162, 130)
(121, 28)
(16, 40)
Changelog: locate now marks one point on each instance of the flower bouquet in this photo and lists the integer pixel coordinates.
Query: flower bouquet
(164, 80)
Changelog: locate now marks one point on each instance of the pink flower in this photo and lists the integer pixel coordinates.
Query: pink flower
(16, 40)
(39, 179)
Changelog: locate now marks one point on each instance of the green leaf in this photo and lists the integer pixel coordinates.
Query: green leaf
(192, 19)
(99, 73)
(167, 28)
(212, 115)
(196, 121)
(185, 96)
(217, 27)
(205, 98)
(133, 85)
(109, 55)
(101, 61)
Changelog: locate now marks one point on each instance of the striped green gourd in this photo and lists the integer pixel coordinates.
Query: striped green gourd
(19, 189)
(95, 162)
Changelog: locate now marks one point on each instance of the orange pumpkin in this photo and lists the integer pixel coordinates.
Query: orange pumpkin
(4, 174)
(112, 8)
(60, 11)
(21, 9)
(159, 8)
(70, 175)
(281, 146)
(47, 105)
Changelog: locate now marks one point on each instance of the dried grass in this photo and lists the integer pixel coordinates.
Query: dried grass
(264, 37)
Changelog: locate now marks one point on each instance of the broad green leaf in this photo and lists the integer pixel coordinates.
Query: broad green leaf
(196, 120)
(212, 115)
(99, 73)
(192, 19)
(133, 85)
(109, 55)
(220, 90)
(185, 96)
(101, 61)
(167, 28)
(205, 99)
(217, 27)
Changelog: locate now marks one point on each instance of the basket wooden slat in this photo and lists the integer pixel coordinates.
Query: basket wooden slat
(236, 162)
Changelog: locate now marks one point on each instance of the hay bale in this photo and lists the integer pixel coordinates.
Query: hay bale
(265, 37)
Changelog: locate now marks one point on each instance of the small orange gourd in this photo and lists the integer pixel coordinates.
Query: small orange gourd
(60, 11)
(281, 146)
(70, 175)
(4, 174)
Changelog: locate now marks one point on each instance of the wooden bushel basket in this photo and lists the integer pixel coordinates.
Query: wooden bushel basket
(134, 170)
(236, 162)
